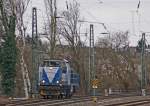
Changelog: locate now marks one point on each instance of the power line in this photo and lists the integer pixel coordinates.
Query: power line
(91, 22)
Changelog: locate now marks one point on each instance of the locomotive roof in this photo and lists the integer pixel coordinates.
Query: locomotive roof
(56, 60)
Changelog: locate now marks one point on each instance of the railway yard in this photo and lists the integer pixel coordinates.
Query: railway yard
(74, 53)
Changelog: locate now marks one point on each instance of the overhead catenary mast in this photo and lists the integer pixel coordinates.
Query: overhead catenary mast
(139, 17)
(34, 53)
(91, 58)
(143, 68)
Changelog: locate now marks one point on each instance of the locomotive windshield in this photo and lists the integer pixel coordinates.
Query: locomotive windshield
(53, 63)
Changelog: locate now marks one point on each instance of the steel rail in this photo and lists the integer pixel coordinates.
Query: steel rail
(39, 101)
(48, 102)
(130, 103)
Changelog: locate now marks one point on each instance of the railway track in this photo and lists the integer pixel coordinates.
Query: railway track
(52, 102)
(48, 102)
(73, 100)
(132, 102)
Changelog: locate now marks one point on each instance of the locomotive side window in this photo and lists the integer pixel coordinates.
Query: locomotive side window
(45, 63)
(63, 66)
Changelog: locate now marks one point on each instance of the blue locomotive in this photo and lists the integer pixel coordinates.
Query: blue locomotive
(57, 79)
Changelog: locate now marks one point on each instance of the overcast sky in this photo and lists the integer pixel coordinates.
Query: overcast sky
(116, 14)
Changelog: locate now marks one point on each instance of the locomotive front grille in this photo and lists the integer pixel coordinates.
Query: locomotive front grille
(50, 90)
(52, 87)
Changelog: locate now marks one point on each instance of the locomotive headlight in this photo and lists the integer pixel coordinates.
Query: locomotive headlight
(51, 68)
(57, 82)
(43, 81)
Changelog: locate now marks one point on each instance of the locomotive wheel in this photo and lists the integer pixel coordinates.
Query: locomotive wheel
(67, 96)
(44, 97)
(60, 96)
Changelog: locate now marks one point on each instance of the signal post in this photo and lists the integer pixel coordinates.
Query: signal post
(95, 83)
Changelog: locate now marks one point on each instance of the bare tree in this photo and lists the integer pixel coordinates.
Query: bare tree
(17, 9)
(1, 33)
(116, 67)
(21, 6)
(70, 30)
(115, 40)
(51, 12)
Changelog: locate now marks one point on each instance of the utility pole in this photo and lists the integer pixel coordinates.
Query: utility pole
(93, 52)
(34, 53)
(92, 63)
(143, 70)
(34, 26)
(90, 58)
